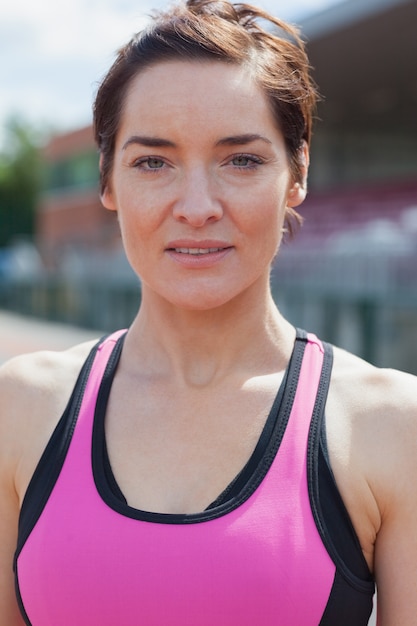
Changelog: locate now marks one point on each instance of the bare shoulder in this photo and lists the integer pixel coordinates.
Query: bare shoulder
(352, 373)
(371, 419)
(39, 377)
(34, 390)
(33, 370)
(378, 405)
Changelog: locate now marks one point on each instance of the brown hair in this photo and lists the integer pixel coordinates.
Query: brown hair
(220, 31)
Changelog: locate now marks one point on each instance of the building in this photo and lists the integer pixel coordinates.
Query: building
(364, 152)
(350, 273)
(70, 217)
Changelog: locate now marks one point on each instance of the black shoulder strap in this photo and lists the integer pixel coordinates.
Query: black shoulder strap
(50, 464)
(330, 514)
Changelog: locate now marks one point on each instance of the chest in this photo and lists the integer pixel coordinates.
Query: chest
(174, 450)
(87, 557)
(242, 563)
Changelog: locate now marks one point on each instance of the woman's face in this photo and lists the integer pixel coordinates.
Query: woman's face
(201, 182)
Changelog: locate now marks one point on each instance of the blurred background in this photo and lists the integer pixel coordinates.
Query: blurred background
(350, 273)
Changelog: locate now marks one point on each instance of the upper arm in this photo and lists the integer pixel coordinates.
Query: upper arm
(396, 569)
(9, 503)
(396, 490)
(371, 421)
(9, 612)
(34, 390)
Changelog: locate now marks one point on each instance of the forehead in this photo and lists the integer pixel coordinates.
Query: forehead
(183, 73)
(191, 92)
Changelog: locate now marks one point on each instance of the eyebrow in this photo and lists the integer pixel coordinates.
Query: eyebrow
(241, 140)
(158, 142)
(149, 142)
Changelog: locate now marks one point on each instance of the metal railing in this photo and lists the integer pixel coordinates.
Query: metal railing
(365, 304)
(98, 304)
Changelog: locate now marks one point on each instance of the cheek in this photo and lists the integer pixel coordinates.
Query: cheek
(139, 214)
(265, 215)
(267, 227)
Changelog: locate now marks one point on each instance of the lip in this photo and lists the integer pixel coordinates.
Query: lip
(196, 243)
(196, 254)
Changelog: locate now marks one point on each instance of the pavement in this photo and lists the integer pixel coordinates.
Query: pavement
(20, 334)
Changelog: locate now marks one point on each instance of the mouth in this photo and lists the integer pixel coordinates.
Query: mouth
(206, 254)
(197, 251)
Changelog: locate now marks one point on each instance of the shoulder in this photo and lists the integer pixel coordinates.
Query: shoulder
(370, 397)
(40, 376)
(378, 407)
(34, 391)
(371, 420)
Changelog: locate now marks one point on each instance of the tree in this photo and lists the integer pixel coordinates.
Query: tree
(20, 180)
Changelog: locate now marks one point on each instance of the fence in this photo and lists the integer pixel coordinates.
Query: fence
(95, 304)
(366, 304)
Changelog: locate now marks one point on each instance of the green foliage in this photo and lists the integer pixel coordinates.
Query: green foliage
(20, 180)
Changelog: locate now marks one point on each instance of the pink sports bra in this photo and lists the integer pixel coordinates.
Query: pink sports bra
(277, 548)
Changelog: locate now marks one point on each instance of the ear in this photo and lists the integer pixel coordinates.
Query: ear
(106, 196)
(298, 190)
(107, 199)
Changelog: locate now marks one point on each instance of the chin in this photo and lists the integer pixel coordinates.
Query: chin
(210, 299)
(198, 304)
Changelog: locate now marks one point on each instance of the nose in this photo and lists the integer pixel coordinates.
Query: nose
(197, 202)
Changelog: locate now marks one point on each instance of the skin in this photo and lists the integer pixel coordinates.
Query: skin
(208, 334)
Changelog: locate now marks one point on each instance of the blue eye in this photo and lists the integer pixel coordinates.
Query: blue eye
(149, 163)
(154, 163)
(242, 161)
(246, 161)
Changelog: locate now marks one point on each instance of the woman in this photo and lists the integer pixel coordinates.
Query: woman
(213, 465)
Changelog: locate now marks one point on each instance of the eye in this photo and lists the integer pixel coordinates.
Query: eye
(149, 163)
(246, 161)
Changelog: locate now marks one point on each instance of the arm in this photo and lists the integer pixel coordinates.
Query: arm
(395, 486)
(34, 390)
(372, 434)
(9, 612)
(9, 503)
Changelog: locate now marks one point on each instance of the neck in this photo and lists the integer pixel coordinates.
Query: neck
(199, 348)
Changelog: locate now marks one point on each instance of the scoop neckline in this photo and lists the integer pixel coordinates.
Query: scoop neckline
(247, 480)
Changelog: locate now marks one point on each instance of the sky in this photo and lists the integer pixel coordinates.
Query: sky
(54, 52)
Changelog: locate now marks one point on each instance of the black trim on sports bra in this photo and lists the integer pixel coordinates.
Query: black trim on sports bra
(234, 487)
(244, 484)
(48, 469)
(50, 464)
(351, 598)
(353, 585)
